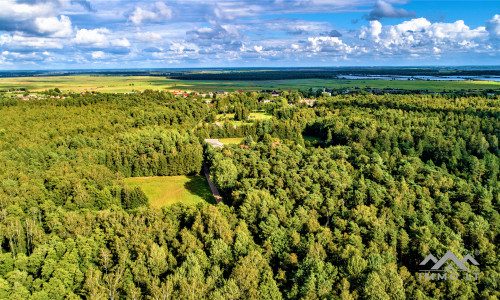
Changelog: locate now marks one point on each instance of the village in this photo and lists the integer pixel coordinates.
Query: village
(265, 96)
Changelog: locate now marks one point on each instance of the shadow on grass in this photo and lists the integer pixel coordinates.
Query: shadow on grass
(197, 185)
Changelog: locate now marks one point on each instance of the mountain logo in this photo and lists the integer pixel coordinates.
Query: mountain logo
(454, 265)
(449, 256)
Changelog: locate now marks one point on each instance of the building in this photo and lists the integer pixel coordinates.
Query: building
(309, 102)
(215, 143)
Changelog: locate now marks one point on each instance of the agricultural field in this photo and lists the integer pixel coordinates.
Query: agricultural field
(167, 190)
(82, 83)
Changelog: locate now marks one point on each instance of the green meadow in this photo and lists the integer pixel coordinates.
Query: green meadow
(231, 141)
(82, 83)
(252, 116)
(167, 190)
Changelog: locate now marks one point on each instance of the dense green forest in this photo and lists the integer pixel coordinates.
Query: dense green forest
(341, 200)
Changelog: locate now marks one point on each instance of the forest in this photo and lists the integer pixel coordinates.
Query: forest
(339, 200)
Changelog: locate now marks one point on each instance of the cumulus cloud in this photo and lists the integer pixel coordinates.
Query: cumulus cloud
(15, 11)
(94, 37)
(161, 12)
(54, 27)
(384, 9)
(101, 38)
(420, 35)
(327, 44)
(34, 18)
(493, 27)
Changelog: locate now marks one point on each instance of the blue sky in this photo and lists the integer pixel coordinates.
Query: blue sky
(81, 34)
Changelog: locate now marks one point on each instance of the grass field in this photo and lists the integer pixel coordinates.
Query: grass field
(229, 141)
(253, 116)
(82, 83)
(167, 190)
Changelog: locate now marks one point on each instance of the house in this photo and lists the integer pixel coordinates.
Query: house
(215, 143)
(309, 102)
(180, 93)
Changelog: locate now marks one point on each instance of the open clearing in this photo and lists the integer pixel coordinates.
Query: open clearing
(167, 190)
(231, 141)
(252, 116)
(81, 83)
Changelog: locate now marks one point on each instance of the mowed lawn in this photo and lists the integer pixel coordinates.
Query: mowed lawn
(167, 190)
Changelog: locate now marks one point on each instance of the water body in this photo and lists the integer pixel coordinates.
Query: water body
(431, 78)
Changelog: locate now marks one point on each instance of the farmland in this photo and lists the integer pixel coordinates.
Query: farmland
(120, 84)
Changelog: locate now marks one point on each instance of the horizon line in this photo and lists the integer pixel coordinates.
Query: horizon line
(262, 67)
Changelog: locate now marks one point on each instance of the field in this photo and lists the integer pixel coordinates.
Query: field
(253, 116)
(82, 83)
(167, 190)
(234, 141)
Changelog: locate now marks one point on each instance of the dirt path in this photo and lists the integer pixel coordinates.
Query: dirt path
(215, 192)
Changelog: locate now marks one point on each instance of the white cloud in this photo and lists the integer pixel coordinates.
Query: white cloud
(422, 35)
(99, 38)
(19, 41)
(94, 37)
(258, 48)
(54, 27)
(493, 27)
(12, 10)
(327, 44)
(148, 36)
(120, 43)
(372, 31)
(160, 13)
(98, 55)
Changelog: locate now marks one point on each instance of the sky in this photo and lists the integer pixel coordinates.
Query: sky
(110, 34)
